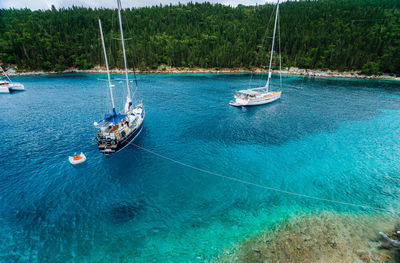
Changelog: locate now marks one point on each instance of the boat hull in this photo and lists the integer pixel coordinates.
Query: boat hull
(129, 139)
(109, 150)
(8, 88)
(256, 102)
(4, 89)
(16, 87)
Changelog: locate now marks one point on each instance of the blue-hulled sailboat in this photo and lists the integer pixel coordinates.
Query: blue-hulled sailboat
(118, 130)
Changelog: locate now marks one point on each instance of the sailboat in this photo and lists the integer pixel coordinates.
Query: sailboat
(118, 130)
(6, 86)
(260, 95)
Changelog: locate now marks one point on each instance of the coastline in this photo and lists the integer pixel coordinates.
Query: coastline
(173, 70)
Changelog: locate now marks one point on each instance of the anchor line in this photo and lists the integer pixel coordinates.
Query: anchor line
(258, 185)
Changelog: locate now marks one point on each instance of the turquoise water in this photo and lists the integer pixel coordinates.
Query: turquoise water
(335, 139)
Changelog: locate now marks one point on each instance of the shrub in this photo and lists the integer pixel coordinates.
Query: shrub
(370, 68)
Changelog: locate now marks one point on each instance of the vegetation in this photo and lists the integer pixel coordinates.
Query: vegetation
(325, 34)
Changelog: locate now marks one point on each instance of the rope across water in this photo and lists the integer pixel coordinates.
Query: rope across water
(259, 185)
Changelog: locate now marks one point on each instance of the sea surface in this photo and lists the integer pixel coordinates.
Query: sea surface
(329, 138)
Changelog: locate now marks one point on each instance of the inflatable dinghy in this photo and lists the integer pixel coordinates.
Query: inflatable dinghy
(77, 158)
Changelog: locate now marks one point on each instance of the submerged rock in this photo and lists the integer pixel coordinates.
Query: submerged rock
(333, 245)
(391, 239)
(123, 212)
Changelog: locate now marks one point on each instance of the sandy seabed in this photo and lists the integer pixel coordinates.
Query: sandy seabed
(323, 237)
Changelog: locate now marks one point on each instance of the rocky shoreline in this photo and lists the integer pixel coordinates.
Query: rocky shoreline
(173, 70)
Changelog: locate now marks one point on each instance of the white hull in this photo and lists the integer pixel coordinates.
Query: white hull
(16, 86)
(256, 101)
(4, 89)
(9, 87)
(6, 86)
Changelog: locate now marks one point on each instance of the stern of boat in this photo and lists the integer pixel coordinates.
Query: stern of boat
(16, 87)
(106, 146)
(4, 89)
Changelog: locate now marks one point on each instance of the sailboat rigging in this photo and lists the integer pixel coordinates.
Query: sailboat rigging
(260, 95)
(118, 130)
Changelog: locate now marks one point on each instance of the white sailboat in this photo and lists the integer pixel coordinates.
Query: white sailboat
(7, 86)
(118, 130)
(260, 95)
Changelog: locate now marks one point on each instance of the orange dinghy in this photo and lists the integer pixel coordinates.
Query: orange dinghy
(77, 158)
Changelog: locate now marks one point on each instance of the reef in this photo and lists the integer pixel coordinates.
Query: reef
(322, 237)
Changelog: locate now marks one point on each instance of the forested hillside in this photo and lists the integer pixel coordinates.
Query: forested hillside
(325, 34)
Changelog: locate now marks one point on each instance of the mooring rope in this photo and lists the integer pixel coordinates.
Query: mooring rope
(258, 185)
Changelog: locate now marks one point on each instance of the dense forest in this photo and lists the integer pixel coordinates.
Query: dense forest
(324, 34)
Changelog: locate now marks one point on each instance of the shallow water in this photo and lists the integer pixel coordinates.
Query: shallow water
(335, 139)
(323, 237)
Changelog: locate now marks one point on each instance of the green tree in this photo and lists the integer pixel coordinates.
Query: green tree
(335, 34)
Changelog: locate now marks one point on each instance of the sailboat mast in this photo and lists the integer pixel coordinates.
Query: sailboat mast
(123, 47)
(108, 71)
(272, 49)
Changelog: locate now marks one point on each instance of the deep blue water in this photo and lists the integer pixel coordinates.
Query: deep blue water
(335, 139)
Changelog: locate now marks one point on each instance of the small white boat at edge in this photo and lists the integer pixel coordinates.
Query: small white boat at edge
(9, 86)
